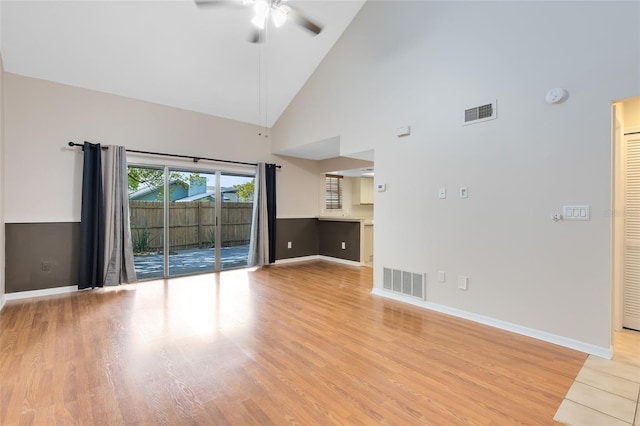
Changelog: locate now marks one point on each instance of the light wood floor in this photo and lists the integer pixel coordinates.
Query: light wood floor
(291, 344)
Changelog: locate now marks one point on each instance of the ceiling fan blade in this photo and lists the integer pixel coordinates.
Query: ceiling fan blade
(214, 3)
(257, 36)
(303, 21)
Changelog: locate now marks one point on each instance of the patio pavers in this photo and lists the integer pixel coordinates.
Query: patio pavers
(190, 261)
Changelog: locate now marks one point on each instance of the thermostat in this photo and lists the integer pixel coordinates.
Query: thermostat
(381, 187)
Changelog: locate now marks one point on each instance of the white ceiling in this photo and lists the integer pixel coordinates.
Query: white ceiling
(319, 150)
(171, 52)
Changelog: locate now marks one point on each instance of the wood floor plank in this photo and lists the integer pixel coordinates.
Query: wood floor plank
(290, 344)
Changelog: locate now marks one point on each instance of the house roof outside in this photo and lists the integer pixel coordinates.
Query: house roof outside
(150, 193)
(148, 190)
(228, 194)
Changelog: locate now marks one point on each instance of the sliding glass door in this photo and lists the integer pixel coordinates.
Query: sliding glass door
(146, 215)
(192, 221)
(236, 213)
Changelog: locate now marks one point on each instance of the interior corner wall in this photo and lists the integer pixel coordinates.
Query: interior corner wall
(422, 64)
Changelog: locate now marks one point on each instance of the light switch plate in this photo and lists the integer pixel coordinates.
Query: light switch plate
(442, 193)
(463, 282)
(576, 212)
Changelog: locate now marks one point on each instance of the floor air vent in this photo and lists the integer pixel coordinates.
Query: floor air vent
(480, 113)
(403, 282)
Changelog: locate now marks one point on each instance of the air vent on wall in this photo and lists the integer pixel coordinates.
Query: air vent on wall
(403, 282)
(478, 114)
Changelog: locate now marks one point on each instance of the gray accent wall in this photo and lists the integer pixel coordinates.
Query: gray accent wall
(333, 233)
(41, 255)
(303, 234)
(46, 255)
(311, 236)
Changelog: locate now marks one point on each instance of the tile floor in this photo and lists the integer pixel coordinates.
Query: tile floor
(606, 392)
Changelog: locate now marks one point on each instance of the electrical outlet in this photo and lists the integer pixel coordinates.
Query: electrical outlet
(288, 244)
(463, 282)
(45, 266)
(442, 277)
(344, 245)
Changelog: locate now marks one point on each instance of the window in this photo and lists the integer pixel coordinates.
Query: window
(333, 192)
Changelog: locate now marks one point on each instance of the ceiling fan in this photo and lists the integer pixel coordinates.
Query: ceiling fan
(276, 10)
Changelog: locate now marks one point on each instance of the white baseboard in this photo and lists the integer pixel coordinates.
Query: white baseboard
(317, 257)
(503, 325)
(3, 300)
(39, 293)
(342, 261)
(297, 259)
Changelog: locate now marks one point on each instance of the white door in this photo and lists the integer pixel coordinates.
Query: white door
(631, 284)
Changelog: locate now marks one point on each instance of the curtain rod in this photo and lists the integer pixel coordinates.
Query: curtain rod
(195, 159)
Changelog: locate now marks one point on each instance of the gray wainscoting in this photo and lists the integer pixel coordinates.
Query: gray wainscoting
(333, 234)
(303, 234)
(310, 236)
(41, 255)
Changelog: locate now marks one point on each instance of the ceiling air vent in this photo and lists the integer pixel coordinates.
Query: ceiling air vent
(478, 114)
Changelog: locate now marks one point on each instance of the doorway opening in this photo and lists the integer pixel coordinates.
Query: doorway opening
(625, 231)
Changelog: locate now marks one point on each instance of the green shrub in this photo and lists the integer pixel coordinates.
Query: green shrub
(141, 239)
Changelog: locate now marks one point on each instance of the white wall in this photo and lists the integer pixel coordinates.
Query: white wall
(2, 249)
(45, 176)
(421, 64)
(297, 194)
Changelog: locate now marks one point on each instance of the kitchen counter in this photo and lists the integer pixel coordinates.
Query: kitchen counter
(364, 220)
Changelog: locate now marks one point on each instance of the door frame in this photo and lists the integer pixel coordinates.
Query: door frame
(617, 215)
(217, 169)
(618, 159)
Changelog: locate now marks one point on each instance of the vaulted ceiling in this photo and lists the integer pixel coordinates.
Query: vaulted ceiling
(171, 52)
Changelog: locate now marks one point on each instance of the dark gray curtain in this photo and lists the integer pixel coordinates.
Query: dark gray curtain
(262, 244)
(270, 182)
(118, 246)
(92, 219)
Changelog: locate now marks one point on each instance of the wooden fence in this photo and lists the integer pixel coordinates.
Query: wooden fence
(191, 224)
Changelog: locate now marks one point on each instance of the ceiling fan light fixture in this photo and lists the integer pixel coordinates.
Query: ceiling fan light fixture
(261, 8)
(279, 15)
(258, 22)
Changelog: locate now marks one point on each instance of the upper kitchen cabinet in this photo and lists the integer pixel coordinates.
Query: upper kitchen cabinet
(363, 190)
